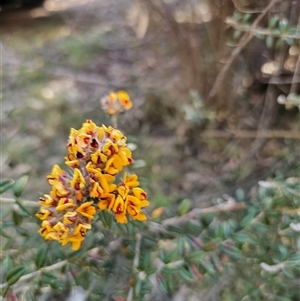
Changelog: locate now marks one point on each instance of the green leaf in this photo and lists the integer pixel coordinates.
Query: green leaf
(193, 228)
(19, 186)
(5, 184)
(4, 234)
(208, 266)
(243, 238)
(290, 41)
(55, 284)
(48, 278)
(5, 291)
(30, 295)
(273, 22)
(48, 274)
(41, 255)
(184, 206)
(17, 218)
(227, 230)
(106, 218)
(176, 229)
(288, 272)
(181, 245)
(195, 257)
(170, 255)
(252, 211)
(246, 18)
(237, 34)
(4, 213)
(231, 251)
(259, 35)
(58, 252)
(6, 265)
(21, 231)
(218, 230)
(295, 257)
(145, 260)
(138, 287)
(168, 270)
(76, 254)
(185, 274)
(129, 228)
(283, 25)
(15, 274)
(149, 242)
(269, 42)
(84, 277)
(23, 207)
(240, 194)
(283, 252)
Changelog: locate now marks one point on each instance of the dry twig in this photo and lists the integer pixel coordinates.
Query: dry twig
(195, 213)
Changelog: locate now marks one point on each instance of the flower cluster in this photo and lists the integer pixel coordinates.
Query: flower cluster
(116, 102)
(95, 156)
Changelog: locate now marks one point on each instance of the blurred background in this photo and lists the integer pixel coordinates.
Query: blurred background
(214, 85)
(60, 57)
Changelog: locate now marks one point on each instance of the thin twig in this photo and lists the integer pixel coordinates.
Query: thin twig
(195, 213)
(10, 201)
(243, 42)
(53, 267)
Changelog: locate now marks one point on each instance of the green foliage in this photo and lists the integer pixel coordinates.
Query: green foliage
(277, 32)
(255, 247)
(5, 184)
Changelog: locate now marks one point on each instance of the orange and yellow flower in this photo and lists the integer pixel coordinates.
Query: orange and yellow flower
(95, 156)
(116, 102)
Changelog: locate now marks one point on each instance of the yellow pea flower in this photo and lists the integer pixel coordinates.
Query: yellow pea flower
(87, 209)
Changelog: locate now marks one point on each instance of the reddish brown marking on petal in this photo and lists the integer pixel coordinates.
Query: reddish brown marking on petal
(144, 194)
(79, 155)
(94, 143)
(76, 186)
(112, 150)
(134, 211)
(82, 233)
(129, 160)
(86, 140)
(43, 230)
(119, 209)
(72, 219)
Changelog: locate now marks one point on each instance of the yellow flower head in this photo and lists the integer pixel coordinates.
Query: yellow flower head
(96, 155)
(116, 102)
